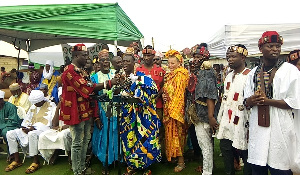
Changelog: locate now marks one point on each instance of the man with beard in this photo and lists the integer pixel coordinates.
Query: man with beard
(99, 140)
(139, 124)
(232, 116)
(76, 110)
(19, 99)
(205, 96)
(272, 90)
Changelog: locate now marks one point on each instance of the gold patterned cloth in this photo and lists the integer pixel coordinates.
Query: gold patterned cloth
(174, 123)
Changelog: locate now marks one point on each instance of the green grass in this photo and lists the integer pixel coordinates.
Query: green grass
(63, 168)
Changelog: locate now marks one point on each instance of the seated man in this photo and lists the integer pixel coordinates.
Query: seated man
(9, 119)
(59, 137)
(49, 78)
(37, 120)
(19, 99)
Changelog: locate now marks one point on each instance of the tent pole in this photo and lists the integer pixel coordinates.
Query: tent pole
(18, 59)
(116, 47)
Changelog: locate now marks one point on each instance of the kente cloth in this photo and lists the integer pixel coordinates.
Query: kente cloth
(21, 102)
(206, 88)
(75, 103)
(233, 116)
(174, 88)
(139, 125)
(33, 83)
(99, 138)
(8, 117)
(157, 74)
(272, 145)
(38, 117)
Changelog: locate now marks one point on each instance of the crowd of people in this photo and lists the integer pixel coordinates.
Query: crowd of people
(254, 113)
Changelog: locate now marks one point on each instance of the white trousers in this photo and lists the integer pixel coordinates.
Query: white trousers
(51, 140)
(204, 140)
(18, 136)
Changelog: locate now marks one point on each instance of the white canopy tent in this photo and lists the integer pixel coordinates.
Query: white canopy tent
(249, 35)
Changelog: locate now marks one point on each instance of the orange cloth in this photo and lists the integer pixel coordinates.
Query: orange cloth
(175, 126)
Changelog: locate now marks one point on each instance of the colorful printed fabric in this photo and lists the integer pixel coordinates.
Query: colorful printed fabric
(175, 126)
(140, 124)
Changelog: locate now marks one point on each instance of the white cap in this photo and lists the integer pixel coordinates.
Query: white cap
(2, 93)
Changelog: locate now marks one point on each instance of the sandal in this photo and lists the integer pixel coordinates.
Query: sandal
(103, 172)
(148, 172)
(199, 169)
(32, 168)
(13, 166)
(129, 172)
(179, 167)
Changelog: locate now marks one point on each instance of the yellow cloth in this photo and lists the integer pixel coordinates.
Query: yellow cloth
(51, 83)
(21, 101)
(174, 123)
(174, 87)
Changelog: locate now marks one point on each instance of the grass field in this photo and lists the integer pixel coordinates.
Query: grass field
(62, 167)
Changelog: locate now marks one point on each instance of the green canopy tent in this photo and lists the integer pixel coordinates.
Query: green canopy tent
(33, 27)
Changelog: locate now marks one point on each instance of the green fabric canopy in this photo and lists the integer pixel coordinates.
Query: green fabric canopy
(38, 26)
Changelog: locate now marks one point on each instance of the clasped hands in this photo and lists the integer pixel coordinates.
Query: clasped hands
(259, 98)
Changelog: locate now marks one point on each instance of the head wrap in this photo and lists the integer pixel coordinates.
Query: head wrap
(135, 44)
(238, 49)
(129, 51)
(79, 47)
(293, 55)
(2, 93)
(48, 75)
(201, 50)
(103, 52)
(14, 87)
(43, 86)
(270, 37)
(36, 96)
(148, 50)
(50, 62)
(174, 53)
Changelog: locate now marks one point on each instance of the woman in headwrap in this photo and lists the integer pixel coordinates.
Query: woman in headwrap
(176, 82)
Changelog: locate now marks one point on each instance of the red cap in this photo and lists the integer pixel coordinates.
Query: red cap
(79, 47)
(270, 37)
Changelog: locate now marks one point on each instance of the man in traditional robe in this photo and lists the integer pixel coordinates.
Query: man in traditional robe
(139, 125)
(19, 99)
(271, 92)
(232, 116)
(37, 120)
(76, 110)
(9, 119)
(49, 78)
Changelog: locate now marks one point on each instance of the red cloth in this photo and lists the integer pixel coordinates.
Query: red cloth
(157, 74)
(75, 103)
